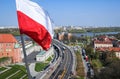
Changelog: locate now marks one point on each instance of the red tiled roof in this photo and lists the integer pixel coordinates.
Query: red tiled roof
(115, 49)
(7, 38)
(102, 42)
(102, 36)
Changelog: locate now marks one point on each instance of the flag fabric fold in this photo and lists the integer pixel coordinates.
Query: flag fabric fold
(34, 22)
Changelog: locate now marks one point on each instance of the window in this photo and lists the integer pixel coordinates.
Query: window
(1, 50)
(117, 54)
(1, 45)
(8, 44)
(8, 50)
(7, 53)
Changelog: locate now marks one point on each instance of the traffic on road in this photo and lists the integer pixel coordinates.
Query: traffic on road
(88, 67)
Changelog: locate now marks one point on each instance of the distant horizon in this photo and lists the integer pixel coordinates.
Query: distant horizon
(65, 26)
(102, 13)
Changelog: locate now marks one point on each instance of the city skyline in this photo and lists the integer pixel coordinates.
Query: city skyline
(64, 13)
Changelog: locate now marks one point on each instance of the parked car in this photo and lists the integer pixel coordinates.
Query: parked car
(88, 74)
(92, 73)
(88, 65)
(84, 57)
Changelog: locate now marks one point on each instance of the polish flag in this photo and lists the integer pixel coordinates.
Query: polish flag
(34, 22)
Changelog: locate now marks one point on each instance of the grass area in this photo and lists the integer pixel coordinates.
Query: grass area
(80, 78)
(49, 59)
(96, 63)
(40, 66)
(8, 73)
(14, 68)
(80, 67)
(2, 68)
(18, 75)
(19, 67)
(26, 77)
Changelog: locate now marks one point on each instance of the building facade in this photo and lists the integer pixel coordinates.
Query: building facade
(102, 41)
(102, 44)
(115, 50)
(9, 48)
(44, 55)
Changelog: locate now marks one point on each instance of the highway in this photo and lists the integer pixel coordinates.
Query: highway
(64, 69)
(61, 64)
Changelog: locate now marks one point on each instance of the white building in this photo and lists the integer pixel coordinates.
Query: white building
(44, 55)
(102, 44)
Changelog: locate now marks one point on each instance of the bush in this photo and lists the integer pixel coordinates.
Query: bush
(4, 59)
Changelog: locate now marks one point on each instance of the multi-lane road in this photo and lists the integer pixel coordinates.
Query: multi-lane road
(62, 63)
(64, 69)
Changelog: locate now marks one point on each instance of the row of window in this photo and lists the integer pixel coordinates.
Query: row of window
(7, 44)
(7, 54)
(7, 50)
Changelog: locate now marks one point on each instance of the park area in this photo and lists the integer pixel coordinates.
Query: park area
(13, 72)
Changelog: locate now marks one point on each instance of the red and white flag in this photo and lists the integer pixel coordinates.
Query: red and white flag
(34, 22)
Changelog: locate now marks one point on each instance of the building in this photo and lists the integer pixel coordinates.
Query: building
(9, 48)
(115, 50)
(103, 41)
(61, 36)
(65, 36)
(44, 55)
(99, 44)
(118, 43)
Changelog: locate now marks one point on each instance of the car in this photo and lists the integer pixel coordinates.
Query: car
(46, 66)
(88, 74)
(83, 50)
(34, 77)
(88, 64)
(84, 57)
(83, 54)
(64, 48)
(92, 72)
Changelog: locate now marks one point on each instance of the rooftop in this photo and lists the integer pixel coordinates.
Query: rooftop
(41, 53)
(7, 38)
(115, 49)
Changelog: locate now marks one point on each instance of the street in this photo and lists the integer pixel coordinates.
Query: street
(31, 58)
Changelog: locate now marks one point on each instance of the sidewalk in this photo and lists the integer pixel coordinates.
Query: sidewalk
(32, 69)
(89, 72)
(84, 64)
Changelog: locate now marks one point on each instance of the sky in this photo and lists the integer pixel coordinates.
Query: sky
(69, 12)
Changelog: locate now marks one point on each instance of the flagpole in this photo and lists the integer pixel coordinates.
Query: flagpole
(25, 57)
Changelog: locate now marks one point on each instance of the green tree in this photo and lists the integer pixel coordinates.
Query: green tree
(110, 72)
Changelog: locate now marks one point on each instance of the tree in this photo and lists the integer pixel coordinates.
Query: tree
(110, 72)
